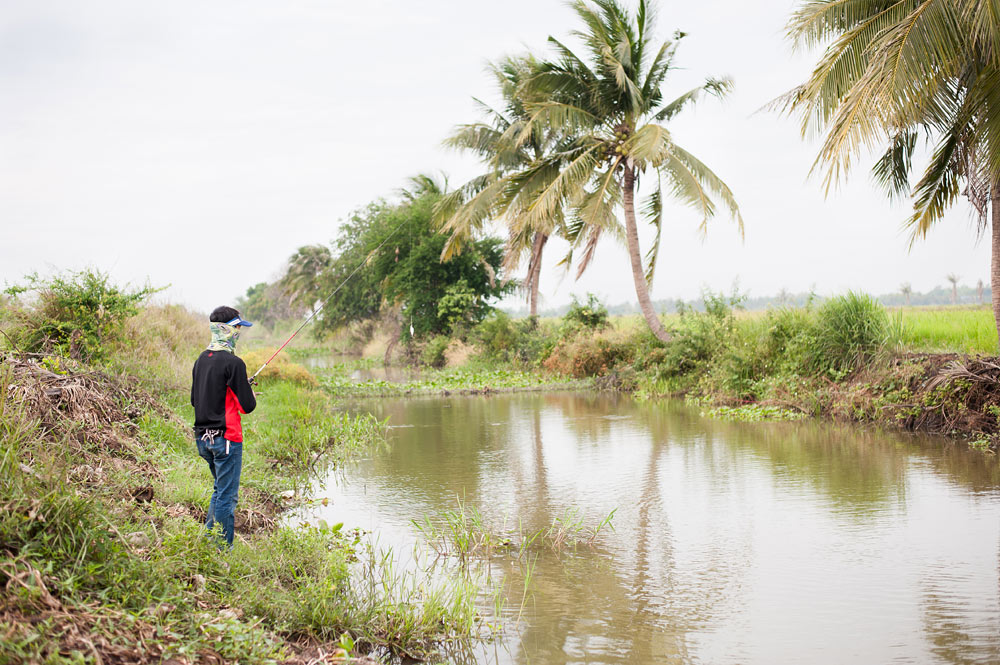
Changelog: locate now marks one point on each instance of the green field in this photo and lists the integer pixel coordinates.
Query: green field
(949, 329)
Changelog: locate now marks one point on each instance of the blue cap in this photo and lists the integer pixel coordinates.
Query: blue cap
(239, 322)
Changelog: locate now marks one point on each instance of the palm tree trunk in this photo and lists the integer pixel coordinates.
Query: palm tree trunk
(632, 239)
(995, 258)
(535, 271)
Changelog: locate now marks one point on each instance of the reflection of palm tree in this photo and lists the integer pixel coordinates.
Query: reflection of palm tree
(645, 616)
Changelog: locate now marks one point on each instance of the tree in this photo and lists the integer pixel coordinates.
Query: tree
(980, 287)
(894, 72)
(388, 259)
(907, 291)
(953, 278)
(502, 148)
(302, 278)
(608, 107)
(267, 304)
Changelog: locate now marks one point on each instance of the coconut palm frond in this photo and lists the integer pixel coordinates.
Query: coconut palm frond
(710, 182)
(719, 87)
(593, 236)
(649, 144)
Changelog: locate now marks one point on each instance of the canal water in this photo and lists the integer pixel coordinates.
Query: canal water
(733, 543)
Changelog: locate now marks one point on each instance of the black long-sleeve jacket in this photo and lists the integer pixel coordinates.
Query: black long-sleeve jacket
(220, 392)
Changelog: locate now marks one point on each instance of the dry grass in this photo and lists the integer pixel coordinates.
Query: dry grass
(279, 369)
(458, 353)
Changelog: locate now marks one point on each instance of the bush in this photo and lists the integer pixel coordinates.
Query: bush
(76, 314)
(505, 340)
(591, 314)
(586, 355)
(433, 352)
(698, 337)
(279, 369)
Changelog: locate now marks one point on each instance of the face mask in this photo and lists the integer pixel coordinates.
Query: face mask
(223, 337)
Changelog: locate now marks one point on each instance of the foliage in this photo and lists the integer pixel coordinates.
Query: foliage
(587, 355)
(74, 314)
(301, 279)
(267, 304)
(524, 342)
(698, 337)
(433, 352)
(468, 379)
(591, 314)
(458, 305)
(396, 252)
(753, 413)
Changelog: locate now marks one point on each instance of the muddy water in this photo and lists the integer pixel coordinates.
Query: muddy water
(733, 543)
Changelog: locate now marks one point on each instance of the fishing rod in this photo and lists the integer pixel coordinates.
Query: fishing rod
(253, 379)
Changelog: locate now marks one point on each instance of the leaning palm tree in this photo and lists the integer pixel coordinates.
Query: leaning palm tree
(896, 71)
(499, 144)
(608, 109)
(301, 279)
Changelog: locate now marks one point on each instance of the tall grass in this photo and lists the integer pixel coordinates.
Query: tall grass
(851, 331)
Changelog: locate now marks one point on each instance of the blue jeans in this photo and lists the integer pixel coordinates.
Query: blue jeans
(225, 461)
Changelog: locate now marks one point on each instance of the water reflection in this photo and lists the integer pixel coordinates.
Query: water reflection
(733, 543)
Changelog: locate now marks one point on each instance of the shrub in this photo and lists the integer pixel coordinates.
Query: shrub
(591, 314)
(586, 355)
(497, 335)
(698, 337)
(279, 369)
(506, 340)
(433, 352)
(76, 314)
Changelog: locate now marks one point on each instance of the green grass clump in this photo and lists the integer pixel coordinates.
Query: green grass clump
(851, 331)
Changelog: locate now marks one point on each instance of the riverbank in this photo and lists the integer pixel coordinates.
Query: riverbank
(103, 555)
(847, 359)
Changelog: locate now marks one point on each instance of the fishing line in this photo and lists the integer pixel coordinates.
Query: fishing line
(253, 379)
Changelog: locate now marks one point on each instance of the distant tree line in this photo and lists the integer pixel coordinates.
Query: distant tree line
(938, 296)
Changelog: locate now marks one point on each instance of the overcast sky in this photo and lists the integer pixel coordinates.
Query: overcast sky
(198, 144)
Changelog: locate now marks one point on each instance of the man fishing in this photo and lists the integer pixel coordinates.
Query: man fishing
(220, 392)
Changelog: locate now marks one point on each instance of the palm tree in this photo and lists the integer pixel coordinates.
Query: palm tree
(499, 143)
(897, 71)
(980, 287)
(953, 278)
(907, 291)
(607, 107)
(301, 280)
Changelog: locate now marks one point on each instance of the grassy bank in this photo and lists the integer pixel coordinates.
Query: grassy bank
(103, 556)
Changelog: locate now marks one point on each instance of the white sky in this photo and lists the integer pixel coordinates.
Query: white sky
(199, 144)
